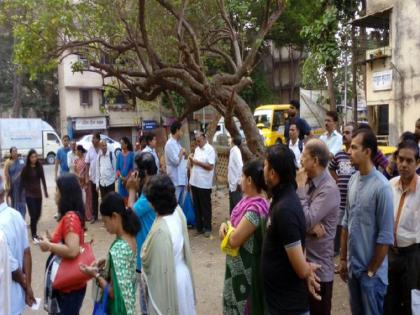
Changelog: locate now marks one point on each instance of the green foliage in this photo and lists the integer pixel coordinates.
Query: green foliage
(298, 14)
(259, 92)
(321, 40)
(313, 77)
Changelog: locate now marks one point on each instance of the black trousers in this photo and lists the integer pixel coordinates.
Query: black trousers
(337, 240)
(202, 206)
(234, 198)
(95, 197)
(106, 189)
(34, 208)
(322, 307)
(403, 276)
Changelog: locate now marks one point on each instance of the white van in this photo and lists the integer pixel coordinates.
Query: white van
(26, 134)
(221, 130)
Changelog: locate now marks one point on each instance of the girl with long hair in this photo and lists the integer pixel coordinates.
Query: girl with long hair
(124, 167)
(120, 268)
(32, 176)
(80, 169)
(65, 241)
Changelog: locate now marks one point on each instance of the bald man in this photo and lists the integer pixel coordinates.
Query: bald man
(320, 200)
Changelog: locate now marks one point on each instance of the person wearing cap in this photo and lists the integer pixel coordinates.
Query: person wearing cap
(293, 118)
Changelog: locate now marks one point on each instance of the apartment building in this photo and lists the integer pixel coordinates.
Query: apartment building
(84, 109)
(392, 65)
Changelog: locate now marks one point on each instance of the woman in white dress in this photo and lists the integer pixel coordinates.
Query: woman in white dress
(166, 253)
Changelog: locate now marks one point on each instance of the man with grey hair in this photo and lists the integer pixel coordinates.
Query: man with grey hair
(201, 181)
(14, 228)
(320, 200)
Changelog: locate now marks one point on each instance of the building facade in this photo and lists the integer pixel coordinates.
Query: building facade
(392, 68)
(84, 109)
(281, 66)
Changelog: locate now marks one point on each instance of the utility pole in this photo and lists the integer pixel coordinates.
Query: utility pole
(354, 72)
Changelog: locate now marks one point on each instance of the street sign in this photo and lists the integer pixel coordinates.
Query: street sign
(149, 124)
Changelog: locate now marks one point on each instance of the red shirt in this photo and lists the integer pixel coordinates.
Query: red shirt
(70, 223)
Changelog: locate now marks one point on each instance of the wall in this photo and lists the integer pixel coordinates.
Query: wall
(373, 6)
(404, 98)
(406, 57)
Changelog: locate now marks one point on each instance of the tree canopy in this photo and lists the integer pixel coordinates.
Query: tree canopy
(153, 47)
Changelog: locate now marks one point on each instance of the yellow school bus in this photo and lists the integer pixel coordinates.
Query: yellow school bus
(270, 120)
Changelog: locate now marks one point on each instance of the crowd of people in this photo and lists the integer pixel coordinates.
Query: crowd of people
(291, 213)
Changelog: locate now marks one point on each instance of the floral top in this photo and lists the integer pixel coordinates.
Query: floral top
(122, 268)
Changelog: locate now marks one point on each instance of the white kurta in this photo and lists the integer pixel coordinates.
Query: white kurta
(185, 290)
(5, 276)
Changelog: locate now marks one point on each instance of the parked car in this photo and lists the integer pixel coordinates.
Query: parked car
(26, 134)
(113, 145)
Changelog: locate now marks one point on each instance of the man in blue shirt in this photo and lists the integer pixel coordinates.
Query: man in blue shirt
(61, 157)
(176, 164)
(367, 231)
(293, 118)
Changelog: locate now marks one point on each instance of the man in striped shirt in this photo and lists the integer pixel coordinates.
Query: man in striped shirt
(341, 170)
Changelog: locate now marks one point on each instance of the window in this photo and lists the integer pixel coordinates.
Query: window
(85, 97)
(278, 119)
(84, 61)
(52, 137)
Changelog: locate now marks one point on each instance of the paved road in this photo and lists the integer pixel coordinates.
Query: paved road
(208, 261)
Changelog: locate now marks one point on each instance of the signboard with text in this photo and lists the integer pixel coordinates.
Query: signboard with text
(93, 123)
(382, 80)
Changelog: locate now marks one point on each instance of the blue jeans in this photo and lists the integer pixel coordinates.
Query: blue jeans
(70, 303)
(366, 295)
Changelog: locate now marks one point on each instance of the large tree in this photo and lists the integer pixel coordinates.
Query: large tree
(154, 47)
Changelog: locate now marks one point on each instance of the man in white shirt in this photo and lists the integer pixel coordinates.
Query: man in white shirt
(404, 256)
(295, 144)
(90, 160)
(202, 161)
(20, 262)
(176, 166)
(71, 156)
(105, 170)
(332, 138)
(5, 276)
(235, 172)
(151, 144)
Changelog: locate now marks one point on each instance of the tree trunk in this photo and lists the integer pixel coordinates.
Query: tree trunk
(254, 143)
(211, 129)
(330, 83)
(17, 93)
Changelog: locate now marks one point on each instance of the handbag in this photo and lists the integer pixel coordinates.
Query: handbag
(188, 208)
(100, 306)
(68, 276)
(225, 247)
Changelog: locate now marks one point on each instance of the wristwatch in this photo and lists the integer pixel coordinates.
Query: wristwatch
(370, 274)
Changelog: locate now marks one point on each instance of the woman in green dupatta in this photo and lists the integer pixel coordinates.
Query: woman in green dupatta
(120, 268)
(242, 293)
